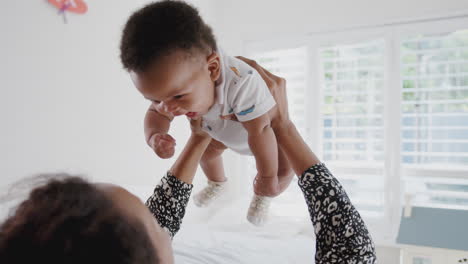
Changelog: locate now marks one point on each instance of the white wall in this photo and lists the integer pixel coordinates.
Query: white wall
(66, 104)
(243, 20)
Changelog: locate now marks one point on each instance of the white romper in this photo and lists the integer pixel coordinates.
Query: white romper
(242, 91)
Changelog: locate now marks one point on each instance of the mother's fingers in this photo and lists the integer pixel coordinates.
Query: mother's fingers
(195, 122)
(277, 87)
(276, 84)
(196, 127)
(267, 76)
(262, 71)
(248, 61)
(231, 117)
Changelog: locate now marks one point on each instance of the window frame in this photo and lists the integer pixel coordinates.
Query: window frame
(383, 229)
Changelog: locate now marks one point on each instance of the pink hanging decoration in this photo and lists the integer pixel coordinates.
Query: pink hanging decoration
(74, 6)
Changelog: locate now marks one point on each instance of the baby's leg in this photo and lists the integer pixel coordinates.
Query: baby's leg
(285, 171)
(212, 165)
(212, 162)
(258, 210)
(259, 206)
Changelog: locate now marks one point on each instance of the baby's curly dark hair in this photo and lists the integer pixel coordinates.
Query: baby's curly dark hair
(69, 220)
(160, 28)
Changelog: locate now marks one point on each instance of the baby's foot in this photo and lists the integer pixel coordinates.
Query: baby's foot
(258, 210)
(209, 193)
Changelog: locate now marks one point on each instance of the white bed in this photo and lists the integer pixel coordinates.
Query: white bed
(221, 234)
(196, 244)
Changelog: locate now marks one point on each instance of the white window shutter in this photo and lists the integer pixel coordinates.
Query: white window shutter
(434, 90)
(352, 82)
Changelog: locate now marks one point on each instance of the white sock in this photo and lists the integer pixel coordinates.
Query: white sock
(208, 194)
(258, 210)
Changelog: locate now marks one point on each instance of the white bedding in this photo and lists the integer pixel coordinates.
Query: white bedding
(196, 244)
(221, 234)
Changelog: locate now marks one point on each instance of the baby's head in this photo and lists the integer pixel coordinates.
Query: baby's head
(172, 57)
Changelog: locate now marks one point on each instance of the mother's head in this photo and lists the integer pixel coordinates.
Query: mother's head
(70, 220)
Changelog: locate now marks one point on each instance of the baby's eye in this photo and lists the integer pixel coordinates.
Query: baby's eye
(178, 96)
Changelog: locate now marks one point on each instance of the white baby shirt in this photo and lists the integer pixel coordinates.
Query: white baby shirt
(242, 91)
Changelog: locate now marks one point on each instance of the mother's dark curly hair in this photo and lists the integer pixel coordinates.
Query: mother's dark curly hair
(69, 220)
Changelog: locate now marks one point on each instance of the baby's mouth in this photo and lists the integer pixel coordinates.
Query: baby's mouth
(191, 114)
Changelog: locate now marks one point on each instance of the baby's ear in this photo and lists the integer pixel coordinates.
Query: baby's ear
(214, 65)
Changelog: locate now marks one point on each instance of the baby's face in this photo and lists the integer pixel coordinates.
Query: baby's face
(180, 84)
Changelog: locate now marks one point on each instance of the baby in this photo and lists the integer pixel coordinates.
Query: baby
(174, 62)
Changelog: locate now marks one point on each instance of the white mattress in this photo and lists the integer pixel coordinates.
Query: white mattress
(221, 234)
(196, 244)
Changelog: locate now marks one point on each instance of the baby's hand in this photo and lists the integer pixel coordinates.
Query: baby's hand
(163, 145)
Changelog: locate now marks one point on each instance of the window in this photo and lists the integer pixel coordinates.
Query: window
(291, 65)
(434, 91)
(351, 117)
(391, 110)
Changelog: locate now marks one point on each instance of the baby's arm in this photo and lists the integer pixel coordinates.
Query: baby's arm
(262, 142)
(157, 125)
(170, 198)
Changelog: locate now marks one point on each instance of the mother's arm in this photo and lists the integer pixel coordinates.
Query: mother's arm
(341, 234)
(290, 141)
(171, 195)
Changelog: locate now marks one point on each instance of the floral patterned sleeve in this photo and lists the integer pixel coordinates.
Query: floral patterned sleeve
(342, 236)
(168, 202)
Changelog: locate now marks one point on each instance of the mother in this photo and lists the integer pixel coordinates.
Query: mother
(70, 220)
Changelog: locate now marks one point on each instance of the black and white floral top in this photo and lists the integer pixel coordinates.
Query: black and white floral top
(341, 234)
(168, 202)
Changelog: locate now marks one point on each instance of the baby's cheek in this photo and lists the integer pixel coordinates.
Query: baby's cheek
(200, 105)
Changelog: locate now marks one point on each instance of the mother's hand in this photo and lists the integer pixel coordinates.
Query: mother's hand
(299, 154)
(196, 127)
(186, 164)
(277, 86)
